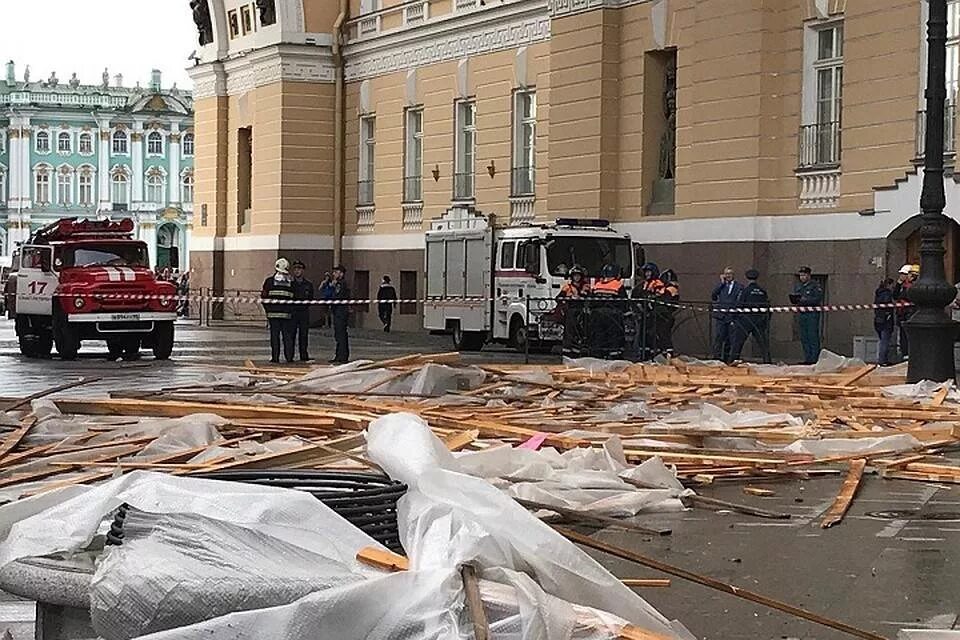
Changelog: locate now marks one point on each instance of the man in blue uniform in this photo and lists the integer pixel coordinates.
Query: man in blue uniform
(808, 293)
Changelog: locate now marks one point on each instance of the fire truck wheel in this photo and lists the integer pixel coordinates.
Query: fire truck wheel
(44, 343)
(467, 340)
(518, 334)
(163, 340)
(67, 339)
(131, 348)
(114, 348)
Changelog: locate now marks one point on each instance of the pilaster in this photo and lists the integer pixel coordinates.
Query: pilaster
(173, 151)
(136, 155)
(103, 171)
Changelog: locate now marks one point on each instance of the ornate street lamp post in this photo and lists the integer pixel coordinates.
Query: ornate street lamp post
(931, 331)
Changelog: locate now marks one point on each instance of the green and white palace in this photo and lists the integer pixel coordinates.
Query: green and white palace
(96, 151)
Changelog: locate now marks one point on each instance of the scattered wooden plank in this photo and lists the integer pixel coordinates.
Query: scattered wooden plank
(383, 559)
(843, 500)
(13, 440)
(636, 583)
(757, 491)
(16, 404)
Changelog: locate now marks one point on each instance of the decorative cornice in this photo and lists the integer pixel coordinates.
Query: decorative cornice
(209, 80)
(456, 36)
(562, 8)
(290, 63)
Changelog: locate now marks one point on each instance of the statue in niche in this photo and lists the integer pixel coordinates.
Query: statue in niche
(268, 12)
(668, 141)
(74, 81)
(201, 17)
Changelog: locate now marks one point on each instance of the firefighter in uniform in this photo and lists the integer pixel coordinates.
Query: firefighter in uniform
(605, 328)
(279, 288)
(571, 309)
(647, 292)
(753, 323)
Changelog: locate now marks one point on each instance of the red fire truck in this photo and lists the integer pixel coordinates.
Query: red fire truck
(81, 280)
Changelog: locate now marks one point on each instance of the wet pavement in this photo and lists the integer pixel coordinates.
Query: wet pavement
(893, 562)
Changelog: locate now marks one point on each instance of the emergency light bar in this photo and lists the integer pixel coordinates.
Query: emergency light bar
(583, 222)
(73, 228)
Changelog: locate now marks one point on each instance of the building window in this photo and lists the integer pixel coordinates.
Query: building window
(524, 142)
(234, 21)
(119, 190)
(413, 156)
(408, 291)
(155, 187)
(3, 190)
(120, 144)
(465, 150)
(64, 187)
(3, 141)
(86, 143)
(186, 189)
(368, 126)
(86, 188)
(188, 144)
(64, 143)
(246, 19)
(155, 143)
(42, 191)
(820, 142)
(244, 176)
(43, 142)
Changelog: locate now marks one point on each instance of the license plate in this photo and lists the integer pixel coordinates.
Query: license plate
(122, 317)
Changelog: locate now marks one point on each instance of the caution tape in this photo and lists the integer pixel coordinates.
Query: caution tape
(482, 300)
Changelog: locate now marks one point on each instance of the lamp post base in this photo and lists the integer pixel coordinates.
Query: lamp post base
(931, 348)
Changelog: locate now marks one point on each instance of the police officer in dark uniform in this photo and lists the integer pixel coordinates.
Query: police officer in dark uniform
(302, 292)
(808, 293)
(278, 289)
(341, 314)
(753, 323)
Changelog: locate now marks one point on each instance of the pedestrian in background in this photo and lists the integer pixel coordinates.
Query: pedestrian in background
(303, 292)
(326, 293)
(183, 290)
(341, 314)
(667, 313)
(901, 293)
(753, 323)
(725, 296)
(808, 293)
(883, 320)
(386, 301)
(278, 290)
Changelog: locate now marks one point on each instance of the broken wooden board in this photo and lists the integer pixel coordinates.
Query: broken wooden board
(843, 500)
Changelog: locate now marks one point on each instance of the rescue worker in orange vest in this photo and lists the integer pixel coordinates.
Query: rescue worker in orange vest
(606, 323)
(577, 285)
(570, 309)
(610, 284)
(649, 291)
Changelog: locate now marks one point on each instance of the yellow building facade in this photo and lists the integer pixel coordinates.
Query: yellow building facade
(716, 132)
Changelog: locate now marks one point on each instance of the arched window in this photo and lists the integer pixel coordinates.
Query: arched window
(188, 144)
(120, 145)
(3, 190)
(42, 186)
(186, 188)
(155, 143)
(155, 187)
(43, 142)
(86, 187)
(65, 187)
(64, 142)
(119, 190)
(86, 143)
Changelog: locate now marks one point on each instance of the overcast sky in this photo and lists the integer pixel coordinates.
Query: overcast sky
(84, 36)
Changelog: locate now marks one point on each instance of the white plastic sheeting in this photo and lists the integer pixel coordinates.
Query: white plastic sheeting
(928, 634)
(708, 416)
(430, 380)
(923, 390)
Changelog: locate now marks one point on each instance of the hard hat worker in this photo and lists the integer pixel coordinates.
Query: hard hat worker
(276, 295)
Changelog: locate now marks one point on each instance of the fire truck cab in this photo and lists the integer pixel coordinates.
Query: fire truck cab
(79, 280)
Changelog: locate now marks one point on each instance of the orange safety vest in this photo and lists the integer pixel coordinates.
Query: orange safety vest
(654, 286)
(570, 290)
(608, 287)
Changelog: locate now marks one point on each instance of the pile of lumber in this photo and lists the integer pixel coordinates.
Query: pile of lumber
(563, 406)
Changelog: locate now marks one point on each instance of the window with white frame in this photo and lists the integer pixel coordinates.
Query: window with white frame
(42, 186)
(43, 141)
(155, 143)
(186, 188)
(368, 143)
(85, 143)
(64, 142)
(120, 190)
(85, 187)
(465, 149)
(121, 145)
(154, 186)
(64, 187)
(3, 141)
(820, 142)
(372, 24)
(952, 78)
(188, 144)
(524, 142)
(3, 187)
(413, 156)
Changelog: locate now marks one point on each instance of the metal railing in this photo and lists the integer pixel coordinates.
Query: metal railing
(412, 188)
(365, 192)
(949, 130)
(820, 145)
(463, 186)
(523, 182)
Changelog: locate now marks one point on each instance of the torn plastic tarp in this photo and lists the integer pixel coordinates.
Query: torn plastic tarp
(828, 362)
(849, 446)
(429, 380)
(923, 390)
(928, 634)
(450, 518)
(709, 416)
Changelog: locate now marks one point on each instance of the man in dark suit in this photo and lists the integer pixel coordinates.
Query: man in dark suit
(725, 296)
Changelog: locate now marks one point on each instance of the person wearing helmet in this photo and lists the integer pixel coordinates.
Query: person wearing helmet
(905, 280)
(570, 310)
(610, 284)
(276, 294)
(576, 285)
(649, 291)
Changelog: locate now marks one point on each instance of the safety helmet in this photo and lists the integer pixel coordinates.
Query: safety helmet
(576, 269)
(915, 269)
(668, 275)
(905, 269)
(650, 266)
(282, 265)
(610, 271)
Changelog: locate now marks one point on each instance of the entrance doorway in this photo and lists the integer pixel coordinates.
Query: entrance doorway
(168, 246)
(951, 242)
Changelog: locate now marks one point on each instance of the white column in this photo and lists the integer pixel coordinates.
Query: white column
(136, 142)
(173, 147)
(148, 233)
(103, 171)
(13, 171)
(20, 163)
(185, 245)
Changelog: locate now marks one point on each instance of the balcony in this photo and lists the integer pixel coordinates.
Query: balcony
(523, 181)
(949, 131)
(372, 23)
(413, 189)
(820, 145)
(463, 186)
(364, 193)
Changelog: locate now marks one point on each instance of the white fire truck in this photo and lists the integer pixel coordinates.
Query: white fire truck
(81, 280)
(498, 284)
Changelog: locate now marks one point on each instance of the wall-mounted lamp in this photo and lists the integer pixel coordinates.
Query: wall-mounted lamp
(492, 169)
(436, 173)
